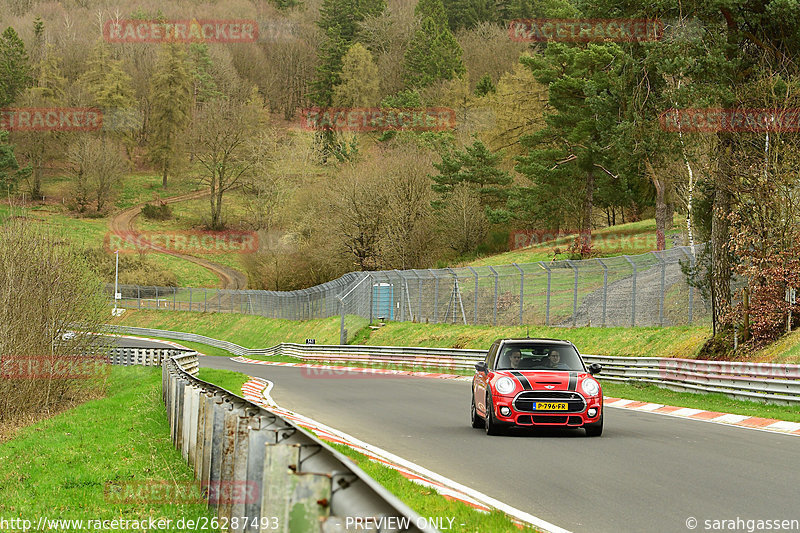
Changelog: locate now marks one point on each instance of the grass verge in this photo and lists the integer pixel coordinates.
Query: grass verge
(250, 331)
(259, 332)
(59, 468)
(227, 379)
(430, 504)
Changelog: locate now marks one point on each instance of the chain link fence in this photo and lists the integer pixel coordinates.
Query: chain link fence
(630, 290)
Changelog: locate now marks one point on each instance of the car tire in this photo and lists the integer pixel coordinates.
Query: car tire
(596, 429)
(490, 424)
(477, 422)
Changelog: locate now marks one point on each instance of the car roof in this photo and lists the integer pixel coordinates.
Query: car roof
(537, 340)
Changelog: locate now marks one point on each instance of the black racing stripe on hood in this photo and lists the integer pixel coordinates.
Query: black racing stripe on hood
(526, 385)
(573, 381)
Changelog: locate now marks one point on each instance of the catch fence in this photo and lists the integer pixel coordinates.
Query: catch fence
(630, 290)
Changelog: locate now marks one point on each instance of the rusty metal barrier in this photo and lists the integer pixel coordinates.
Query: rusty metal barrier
(285, 478)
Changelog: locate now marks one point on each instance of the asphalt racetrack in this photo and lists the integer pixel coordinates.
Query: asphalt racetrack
(647, 472)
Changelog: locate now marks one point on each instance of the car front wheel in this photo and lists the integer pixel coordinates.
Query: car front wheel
(490, 424)
(477, 422)
(596, 429)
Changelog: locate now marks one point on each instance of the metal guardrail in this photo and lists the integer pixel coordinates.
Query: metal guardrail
(302, 483)
(143, 356)
(766, 382)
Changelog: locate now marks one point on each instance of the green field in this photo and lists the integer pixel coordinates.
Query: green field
(249, 331)
(62, 467)
(136, 188)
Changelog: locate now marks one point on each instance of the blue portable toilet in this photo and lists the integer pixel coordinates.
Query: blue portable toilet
(383, 300)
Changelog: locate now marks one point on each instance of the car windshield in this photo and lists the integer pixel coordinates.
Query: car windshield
(539, 357)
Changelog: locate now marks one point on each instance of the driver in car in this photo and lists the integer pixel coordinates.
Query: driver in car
(554, 359)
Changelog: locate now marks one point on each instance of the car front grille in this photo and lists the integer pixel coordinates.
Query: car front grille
(525, 401)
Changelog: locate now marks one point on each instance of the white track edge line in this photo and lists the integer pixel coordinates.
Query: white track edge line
(479, 496)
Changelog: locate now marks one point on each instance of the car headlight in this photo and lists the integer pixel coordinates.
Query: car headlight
(505, 385)
(590, 386)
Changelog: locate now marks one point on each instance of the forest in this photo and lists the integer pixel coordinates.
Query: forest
(542, 133)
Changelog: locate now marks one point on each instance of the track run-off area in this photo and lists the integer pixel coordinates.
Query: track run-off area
(648, 472)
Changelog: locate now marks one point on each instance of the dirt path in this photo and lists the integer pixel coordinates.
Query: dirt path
(122, 223)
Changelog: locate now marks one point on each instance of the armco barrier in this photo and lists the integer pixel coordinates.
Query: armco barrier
(301, 483)
(767, 382)
(143, 356)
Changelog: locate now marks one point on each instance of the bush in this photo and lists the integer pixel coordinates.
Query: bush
(134, 269)
(157, 212)
(46, 289)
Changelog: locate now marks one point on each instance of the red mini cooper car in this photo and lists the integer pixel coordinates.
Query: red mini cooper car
(536, 382)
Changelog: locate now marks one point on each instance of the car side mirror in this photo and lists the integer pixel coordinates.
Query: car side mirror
(480, 366)
(595, 368)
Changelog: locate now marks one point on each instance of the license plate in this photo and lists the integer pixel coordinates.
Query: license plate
(550, 406)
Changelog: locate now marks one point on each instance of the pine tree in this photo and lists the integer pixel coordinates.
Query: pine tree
(485, 86)
(339, 22)
(172, 100)
(466, 14)
(204, 87)
(477, 167)
(49, 83)
(433, 54)
(107, 81)
(10, 173)
(576, 145)
(42, 147)
(14, 67)
(360, 84)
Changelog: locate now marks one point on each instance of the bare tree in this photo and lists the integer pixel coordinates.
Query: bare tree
(97, 166)
(387, 36)
(410, 227)
(266, 189)
(358, 205)
(221, 144)
(488, 50)
(463, 219)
